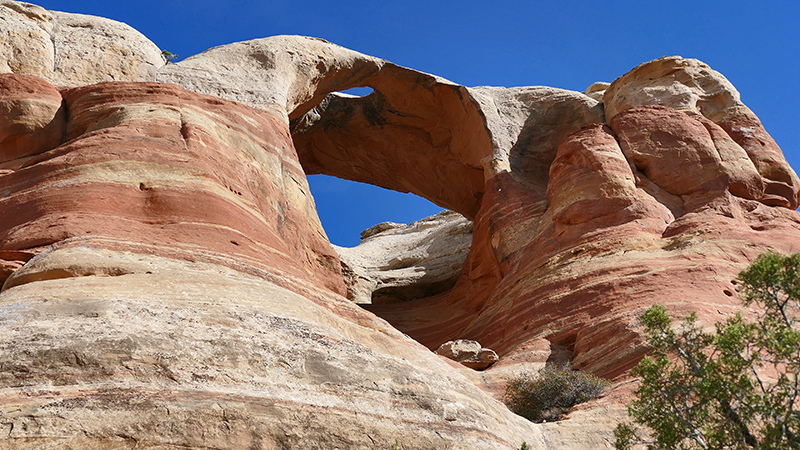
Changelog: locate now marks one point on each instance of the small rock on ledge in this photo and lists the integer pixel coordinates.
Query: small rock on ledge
(469, 353)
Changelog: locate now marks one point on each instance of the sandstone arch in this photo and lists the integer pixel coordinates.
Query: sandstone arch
(491, 153)
(414, 133)
(168, 283)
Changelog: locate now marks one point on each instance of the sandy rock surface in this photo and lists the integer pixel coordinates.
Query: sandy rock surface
(194, 355)
(653, 204)
(179, 280)
(167, 282)
(73, 49)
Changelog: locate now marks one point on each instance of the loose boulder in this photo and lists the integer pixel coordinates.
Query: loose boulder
(468, 353)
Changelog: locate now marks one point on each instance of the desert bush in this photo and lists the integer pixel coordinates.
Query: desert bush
(549, 394)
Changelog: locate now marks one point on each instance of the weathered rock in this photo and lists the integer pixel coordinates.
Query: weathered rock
(196, 355)
(397, 262)
(527, 124)
(182, 294)
(139, 170)
(691, 86)
(33, 118)
(429, 117)
(665, 207)
(687, 85)
(168, 283)
(468, 353)
(686, 156)
(11, 261)
(92, 49)
(597, 90)
(26, 45)
(288, 74)
(73, 49)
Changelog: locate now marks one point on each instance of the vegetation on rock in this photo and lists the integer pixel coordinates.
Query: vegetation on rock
(736, 388)
(169, 56)
(552, 392)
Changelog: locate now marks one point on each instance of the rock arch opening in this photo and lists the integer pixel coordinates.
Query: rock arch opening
(358, 91)
(393, 247)
(347, 208)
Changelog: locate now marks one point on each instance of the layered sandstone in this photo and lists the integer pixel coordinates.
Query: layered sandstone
(431, 120)
(660, 205)
(181, 292)
(167, 282)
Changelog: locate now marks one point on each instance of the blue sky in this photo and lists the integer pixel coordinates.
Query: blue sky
(567, 44)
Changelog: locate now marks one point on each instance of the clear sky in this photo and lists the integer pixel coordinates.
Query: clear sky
(567, 44)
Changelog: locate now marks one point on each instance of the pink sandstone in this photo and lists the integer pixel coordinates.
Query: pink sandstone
(168, 284)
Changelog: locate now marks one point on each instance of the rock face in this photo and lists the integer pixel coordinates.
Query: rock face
(659, 204)
(430, 119)
(167, 283)
(694, 88)
(181, 281)
(151, 165)
(73, 49)
(35, 121)
(397, 262)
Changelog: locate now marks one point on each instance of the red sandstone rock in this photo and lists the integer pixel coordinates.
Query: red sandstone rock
(33, 119)
(782, 185)
(183, 292)
(687, 156)
(433, 122)
(11, 261)
(180, 263)
(149, 165)
(667, 216)
(691, 86)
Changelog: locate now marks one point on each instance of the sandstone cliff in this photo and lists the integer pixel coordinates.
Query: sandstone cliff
(167, 283)
(397, 262)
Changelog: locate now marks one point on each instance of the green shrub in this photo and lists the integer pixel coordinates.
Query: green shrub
(735, 388)
(550, 394)
(169, 56)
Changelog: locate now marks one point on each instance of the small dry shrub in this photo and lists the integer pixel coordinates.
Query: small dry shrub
(552, 392)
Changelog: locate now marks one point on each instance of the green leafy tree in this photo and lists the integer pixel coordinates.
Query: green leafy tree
(737, 388)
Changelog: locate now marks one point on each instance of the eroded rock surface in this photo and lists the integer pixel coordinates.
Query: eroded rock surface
(691, 86)
(154, 166)
(73, 49)
(167, 269)
(658, 204)
(167, 282)
(398, 262)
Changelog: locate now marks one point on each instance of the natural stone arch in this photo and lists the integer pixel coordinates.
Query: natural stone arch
(415, 133)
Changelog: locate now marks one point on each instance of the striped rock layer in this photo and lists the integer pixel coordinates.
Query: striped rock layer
(588, 218)
(167, 283)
